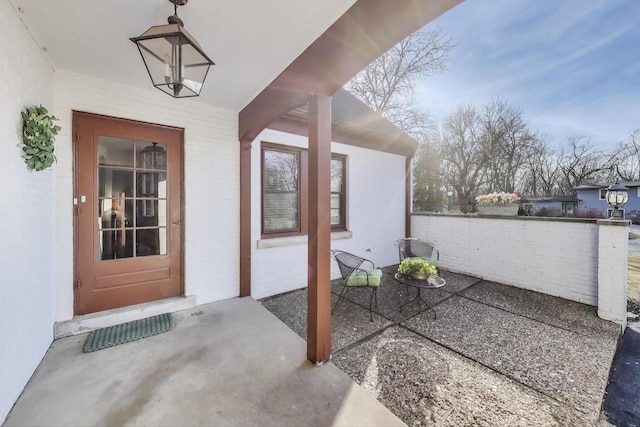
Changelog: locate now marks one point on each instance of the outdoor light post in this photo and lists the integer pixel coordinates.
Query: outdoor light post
(617, 196)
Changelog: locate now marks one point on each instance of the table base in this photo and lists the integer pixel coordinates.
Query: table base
(419, 296)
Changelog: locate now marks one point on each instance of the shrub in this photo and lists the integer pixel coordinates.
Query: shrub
(549, 212)
(589, 213)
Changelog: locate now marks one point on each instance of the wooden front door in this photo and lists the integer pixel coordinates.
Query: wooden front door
(128, 212)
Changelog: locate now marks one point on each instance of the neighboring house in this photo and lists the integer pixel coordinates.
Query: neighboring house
(566, 205)
(593, 196)
(185, 174)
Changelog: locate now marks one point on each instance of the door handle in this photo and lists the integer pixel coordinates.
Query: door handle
(176, 222)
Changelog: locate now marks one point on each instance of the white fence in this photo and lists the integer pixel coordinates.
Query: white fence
(578, 259)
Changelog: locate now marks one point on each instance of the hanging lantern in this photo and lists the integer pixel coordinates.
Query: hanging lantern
(175, 61)
(154, 157)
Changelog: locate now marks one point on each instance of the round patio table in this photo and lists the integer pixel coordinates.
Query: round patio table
(433, 282)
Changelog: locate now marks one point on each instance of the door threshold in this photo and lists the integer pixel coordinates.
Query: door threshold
(102, 319)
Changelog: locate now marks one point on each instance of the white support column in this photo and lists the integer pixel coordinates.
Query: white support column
(613, 254)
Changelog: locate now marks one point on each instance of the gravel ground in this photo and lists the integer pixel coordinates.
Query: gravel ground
(425, 384)
(350, 322)
(495, 355)
(633, 306)
(544, 357)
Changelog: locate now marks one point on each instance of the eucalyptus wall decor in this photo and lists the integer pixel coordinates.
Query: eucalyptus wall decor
(38, 135)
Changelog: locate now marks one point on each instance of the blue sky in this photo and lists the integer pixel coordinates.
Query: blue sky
(572, 66)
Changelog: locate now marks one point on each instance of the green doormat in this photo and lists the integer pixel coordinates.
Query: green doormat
(127, 332)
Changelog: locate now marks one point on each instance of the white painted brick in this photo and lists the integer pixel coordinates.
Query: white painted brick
(375, 210)
(211, 181)
(27, 218)
(562, 258)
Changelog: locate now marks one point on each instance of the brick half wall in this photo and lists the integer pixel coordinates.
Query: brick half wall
(580, 260)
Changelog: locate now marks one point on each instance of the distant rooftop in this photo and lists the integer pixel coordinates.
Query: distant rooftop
(599, 185)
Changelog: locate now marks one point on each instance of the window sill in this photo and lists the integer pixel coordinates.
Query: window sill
(280, 242)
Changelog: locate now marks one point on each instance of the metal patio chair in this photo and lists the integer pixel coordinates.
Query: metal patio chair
(416, 248)
(356, 276)
(411, 247)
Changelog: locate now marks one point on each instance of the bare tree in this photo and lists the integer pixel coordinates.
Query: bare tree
(508, 143)
(580, 162)
(427, 179)
(626, 158)
(387, 84)
(542, 171)
(462, 152)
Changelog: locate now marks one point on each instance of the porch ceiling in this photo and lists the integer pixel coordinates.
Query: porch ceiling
(251, 41)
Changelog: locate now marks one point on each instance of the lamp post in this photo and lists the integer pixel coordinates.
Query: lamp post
(617, 196)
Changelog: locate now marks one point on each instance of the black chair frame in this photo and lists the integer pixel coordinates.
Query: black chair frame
(411, 247)
(416, 248)
(349, 264)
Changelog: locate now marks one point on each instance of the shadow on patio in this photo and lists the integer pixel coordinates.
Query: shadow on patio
(495, 354)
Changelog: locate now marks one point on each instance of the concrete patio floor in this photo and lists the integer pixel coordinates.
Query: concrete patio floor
(495, 355)
(226, 363)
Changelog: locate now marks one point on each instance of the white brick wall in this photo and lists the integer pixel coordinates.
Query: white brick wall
(376, 194)
(27, 214)
(211, 184)
(580, 260)
(613, 245)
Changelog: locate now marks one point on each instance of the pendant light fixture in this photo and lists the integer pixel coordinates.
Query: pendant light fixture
(175, 61)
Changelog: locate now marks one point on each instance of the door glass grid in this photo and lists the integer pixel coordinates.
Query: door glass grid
(132, 198)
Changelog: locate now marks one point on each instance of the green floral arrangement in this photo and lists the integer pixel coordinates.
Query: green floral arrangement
(501, 198)
(417, 266)
(38, 136)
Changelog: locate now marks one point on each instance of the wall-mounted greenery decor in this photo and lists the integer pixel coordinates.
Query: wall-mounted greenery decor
(38, 135)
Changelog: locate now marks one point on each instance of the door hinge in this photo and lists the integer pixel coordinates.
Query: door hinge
(76, 285)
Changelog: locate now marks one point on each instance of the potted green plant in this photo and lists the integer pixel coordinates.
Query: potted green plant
(418, 268)
(38, 136)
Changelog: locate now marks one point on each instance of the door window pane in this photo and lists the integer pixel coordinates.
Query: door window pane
(152, 241)
(151, 213)
(115, 244)
(151, 155)
(115, 151)
(113, 182)
(115, 213)
(151, 184)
